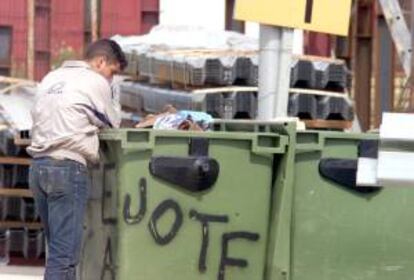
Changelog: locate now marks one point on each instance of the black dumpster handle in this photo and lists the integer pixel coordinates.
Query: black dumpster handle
(194, 174)
(343, 172)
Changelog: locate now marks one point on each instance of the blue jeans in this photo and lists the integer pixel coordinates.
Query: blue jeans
(60, 189)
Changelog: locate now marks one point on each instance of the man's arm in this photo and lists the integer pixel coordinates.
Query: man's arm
(102, 111)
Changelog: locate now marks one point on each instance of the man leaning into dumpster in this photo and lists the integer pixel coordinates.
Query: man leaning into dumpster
(73, 103)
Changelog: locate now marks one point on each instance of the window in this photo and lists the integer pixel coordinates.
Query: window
(5, 49)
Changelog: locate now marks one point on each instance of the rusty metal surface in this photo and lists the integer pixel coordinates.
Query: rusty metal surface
(317, 44)
(363, 37)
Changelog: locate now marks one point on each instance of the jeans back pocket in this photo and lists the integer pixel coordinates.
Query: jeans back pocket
(54, 179)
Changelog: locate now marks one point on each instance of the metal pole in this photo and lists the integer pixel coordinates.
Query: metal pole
(274, 71)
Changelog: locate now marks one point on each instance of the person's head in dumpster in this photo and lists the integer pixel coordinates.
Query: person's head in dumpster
(73, 103)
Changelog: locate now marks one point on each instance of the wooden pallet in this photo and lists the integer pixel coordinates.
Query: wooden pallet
(15, 192)
(327, 124)
(15, 160)
(18, 224)
(18, 260)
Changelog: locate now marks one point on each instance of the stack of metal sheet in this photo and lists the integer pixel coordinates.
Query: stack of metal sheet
(318, 107)
(196, 68)
(320, 85)
(303, 74)
(332, 76)
(303, 106)
(26, 243)
(17, 211)
(220, 104)
(233, 103)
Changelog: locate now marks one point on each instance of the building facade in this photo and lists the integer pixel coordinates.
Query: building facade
(36, 35)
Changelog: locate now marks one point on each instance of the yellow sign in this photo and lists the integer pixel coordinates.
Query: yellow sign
(328, 16)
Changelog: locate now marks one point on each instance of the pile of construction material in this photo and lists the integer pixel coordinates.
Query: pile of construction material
(21, 234)
(218, 73)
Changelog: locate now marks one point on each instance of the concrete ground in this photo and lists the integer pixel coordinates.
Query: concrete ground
(21, 273)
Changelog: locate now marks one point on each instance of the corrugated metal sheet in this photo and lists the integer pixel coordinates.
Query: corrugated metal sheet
(128, 17)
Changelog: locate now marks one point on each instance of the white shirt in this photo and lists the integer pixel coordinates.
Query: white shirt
(73, 103)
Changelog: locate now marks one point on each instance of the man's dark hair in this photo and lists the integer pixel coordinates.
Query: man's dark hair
(108, 49)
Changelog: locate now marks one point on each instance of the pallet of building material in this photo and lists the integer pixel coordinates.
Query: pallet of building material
(7, 144)
(129, 99)
(303, 74)
(4, 246)
(8, 160)
(241, 102)
(153, 66)
(132, 67)
(33, 244)
(28, 243)
(198, 68)
(322, 105)
(226, 103)
(22, 243)
(20, 176)
(321, 73)
(328, 124)
(11, 209)
(6, 175)
(19, 209)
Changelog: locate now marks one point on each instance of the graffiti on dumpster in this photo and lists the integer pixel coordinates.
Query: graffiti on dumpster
(225, 259)
(204, 219)
(108, 264)
(160, 211)
(136, 219)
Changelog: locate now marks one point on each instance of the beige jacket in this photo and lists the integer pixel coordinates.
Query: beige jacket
(73, 102)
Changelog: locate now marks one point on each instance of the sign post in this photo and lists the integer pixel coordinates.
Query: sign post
(275, 58)
(277, 18)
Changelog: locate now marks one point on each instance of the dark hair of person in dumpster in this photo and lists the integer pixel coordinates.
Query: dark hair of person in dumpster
(108, 49)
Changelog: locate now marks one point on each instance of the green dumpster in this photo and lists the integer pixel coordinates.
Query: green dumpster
(186, 205)
(337, 230)
(248, 201)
